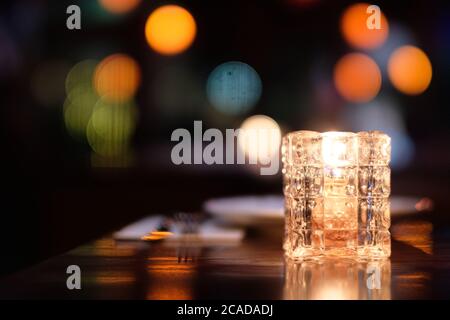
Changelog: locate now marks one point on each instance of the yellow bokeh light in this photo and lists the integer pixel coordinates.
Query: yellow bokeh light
(111, 127)
(170, 29)
(78, 109)
(117, 77)
(119, 6)
(81, 73)
(410, 70)
(357, 77)
(259, 137)
(114, 122)
(355, 31)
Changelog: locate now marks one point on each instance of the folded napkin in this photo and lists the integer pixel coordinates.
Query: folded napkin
(208, 231)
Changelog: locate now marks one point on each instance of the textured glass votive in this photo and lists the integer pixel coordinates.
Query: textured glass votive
(336, 187)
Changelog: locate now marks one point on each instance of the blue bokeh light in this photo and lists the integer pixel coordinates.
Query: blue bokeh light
(234, 88)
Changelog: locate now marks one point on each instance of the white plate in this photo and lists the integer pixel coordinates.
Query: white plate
(247, 210)
(263, 210)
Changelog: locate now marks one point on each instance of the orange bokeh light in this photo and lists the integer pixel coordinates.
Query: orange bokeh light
(117, 77)
(357, 77)
(410, 70)
(119, 6)
(170, 29)
(355, 31)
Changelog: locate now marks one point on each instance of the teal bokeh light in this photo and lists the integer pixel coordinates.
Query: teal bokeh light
(234, 88)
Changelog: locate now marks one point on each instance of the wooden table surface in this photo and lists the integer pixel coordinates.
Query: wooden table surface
(253, 269)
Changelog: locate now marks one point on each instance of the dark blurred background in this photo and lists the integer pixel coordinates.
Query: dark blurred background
(77, 165)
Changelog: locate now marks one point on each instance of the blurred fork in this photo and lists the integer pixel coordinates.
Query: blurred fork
(187, 224)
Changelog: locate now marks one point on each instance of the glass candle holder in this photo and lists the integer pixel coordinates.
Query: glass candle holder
(336, 187)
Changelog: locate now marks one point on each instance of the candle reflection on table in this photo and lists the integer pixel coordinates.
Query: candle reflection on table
(337, 279)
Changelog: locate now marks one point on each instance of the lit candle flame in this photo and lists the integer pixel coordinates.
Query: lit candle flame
(334, 150)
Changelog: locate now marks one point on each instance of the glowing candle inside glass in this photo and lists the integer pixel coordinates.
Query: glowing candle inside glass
(340, 155)
(336, 187)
